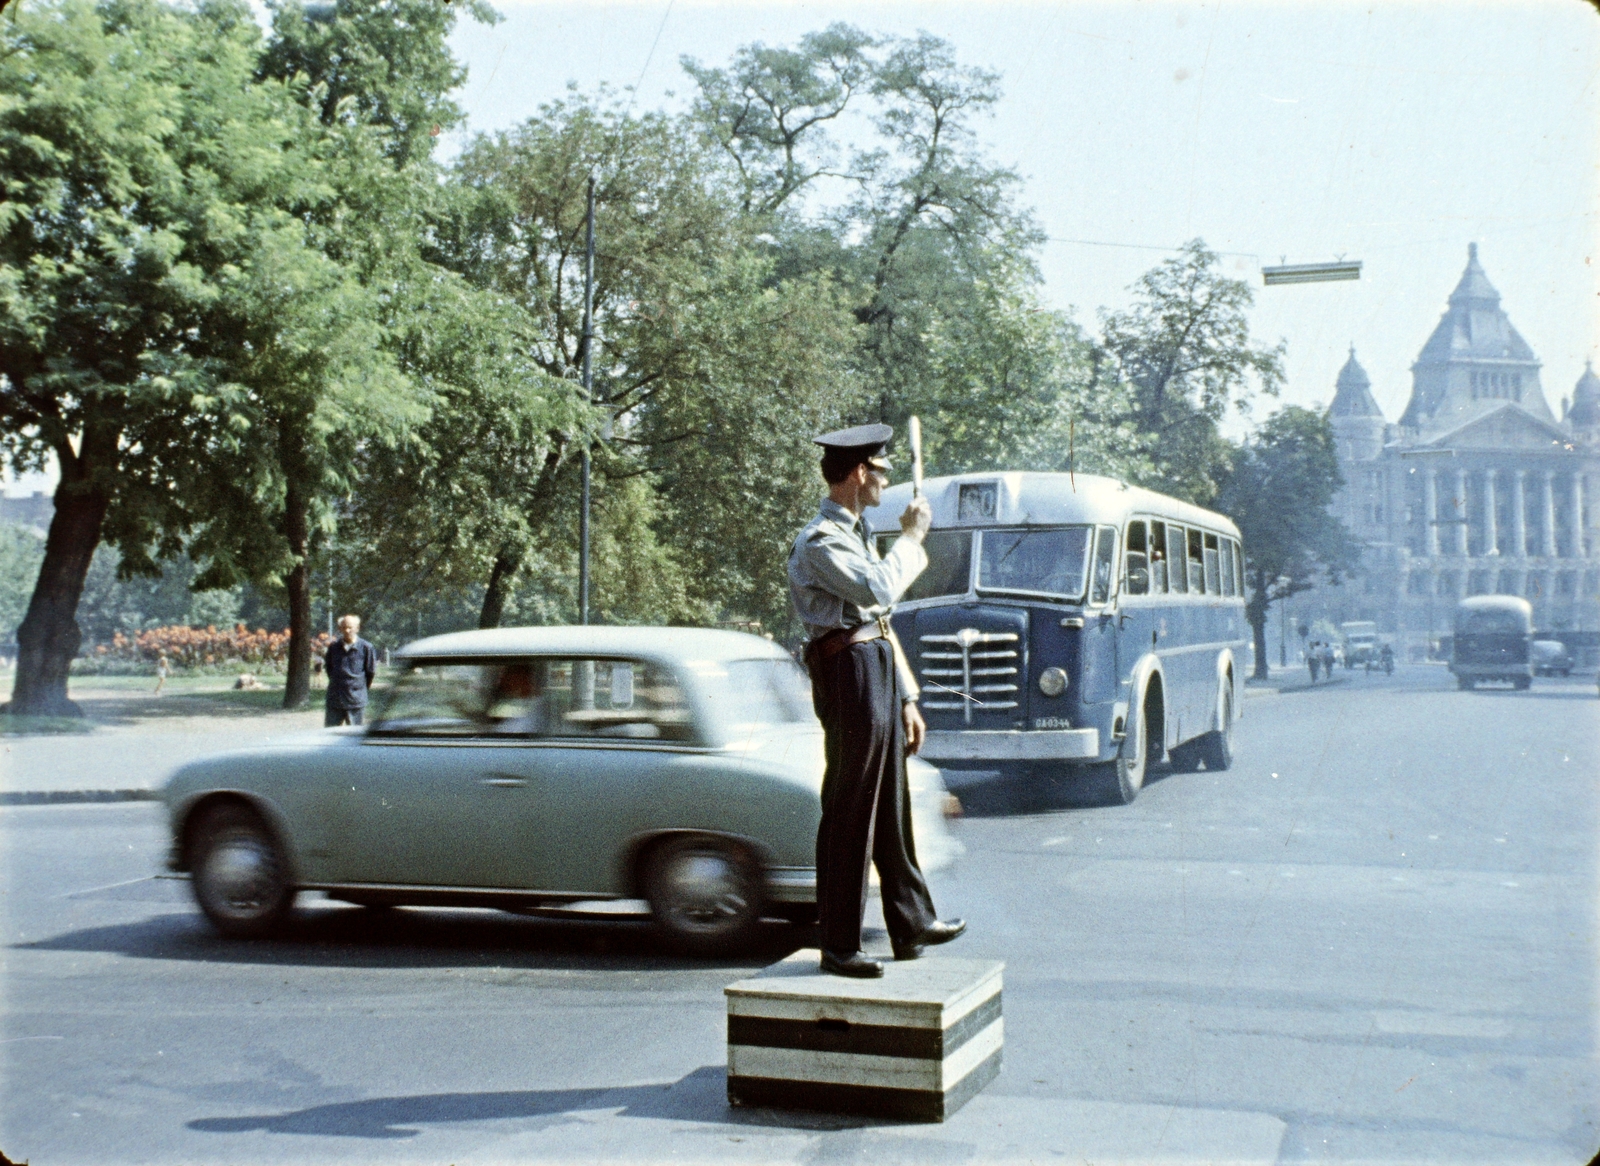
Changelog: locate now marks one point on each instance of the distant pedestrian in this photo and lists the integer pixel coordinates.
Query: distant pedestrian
(350, 664)
(1314, 661)
(163, 670)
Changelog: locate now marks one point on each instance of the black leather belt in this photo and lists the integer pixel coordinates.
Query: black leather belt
(827, 646)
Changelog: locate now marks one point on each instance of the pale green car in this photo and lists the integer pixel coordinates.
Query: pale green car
(526, 768)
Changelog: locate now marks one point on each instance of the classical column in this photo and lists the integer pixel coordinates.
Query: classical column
(1491, 530)
(1547, 521)
(1460, 512)
(1577, 516)
(1519, 513)
(1430, 511)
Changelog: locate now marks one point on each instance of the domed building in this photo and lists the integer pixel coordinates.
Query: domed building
(1479, 489)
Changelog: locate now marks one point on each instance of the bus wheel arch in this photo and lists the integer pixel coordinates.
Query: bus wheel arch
(1143, 741)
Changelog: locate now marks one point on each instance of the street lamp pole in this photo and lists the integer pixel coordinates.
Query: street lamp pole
(588, 397)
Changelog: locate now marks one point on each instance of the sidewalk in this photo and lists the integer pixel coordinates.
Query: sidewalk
(134, 739)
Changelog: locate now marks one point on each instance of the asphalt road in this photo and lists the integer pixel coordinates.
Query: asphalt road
(1373, 939)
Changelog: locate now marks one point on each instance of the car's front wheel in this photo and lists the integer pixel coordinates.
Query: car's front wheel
(239, 875)
(705, 894)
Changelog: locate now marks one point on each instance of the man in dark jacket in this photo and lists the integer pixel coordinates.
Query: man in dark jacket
(351, 664)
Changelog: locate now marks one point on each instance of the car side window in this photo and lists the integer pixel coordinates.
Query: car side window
(590, 698)
(438, 700)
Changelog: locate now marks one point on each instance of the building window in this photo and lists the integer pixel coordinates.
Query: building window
(1418, 583)
(1449, 583)
(1508, 583)
(1591, 583)
(1478, 583)
(1566, 584)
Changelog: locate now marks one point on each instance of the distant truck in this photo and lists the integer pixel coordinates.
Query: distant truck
(1493, 634)
(1360, 642)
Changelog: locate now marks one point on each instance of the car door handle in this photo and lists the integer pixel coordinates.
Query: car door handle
(503, 780)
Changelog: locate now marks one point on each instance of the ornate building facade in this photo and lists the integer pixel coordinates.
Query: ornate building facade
(1480, 488)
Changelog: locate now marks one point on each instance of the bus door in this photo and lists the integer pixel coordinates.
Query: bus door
(1100, 665)
(1144, 589)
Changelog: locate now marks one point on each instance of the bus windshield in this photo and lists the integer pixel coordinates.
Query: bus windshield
(1039, 562)
(949, 563)
(1491, 623)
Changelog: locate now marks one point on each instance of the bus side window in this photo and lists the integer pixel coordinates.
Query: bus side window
(1105, 565)
(1238, 566)
(1230, 585)
(1138, 561)
(1158, 558)
(1197, 565)
(1177, 573)
(1213, 566)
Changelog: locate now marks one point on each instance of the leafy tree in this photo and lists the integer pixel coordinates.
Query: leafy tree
(325, 340)
(136, 159)
(1278, 491)
(21, 552)
(1185, 350)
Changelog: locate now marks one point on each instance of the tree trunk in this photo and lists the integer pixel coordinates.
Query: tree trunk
(494, 596)
(1258, 629)
(297, 684)
(1255, 612)
(49, 636)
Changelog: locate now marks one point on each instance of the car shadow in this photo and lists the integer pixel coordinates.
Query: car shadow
(701, 1096)
(338, 936)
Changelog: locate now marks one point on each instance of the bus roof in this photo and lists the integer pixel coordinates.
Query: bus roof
(1038, 498)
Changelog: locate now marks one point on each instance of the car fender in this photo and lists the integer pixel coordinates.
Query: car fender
(631, 864)
(185, 813)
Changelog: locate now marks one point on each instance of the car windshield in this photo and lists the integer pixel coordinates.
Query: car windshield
(763, 692)
(1040, 562)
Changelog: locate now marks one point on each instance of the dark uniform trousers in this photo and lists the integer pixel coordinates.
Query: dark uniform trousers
(866, 805)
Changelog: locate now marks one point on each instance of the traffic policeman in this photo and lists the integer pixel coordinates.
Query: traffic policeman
(865, 695)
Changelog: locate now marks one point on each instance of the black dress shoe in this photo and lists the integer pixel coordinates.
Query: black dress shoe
(855, 965)
(936, 932)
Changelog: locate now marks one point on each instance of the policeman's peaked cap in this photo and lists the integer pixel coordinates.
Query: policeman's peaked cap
(845, 449)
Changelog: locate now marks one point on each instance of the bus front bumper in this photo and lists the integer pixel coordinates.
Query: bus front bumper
(1012, 745)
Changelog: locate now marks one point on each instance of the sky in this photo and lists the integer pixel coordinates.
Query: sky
(1394, 134)
(1299, 130)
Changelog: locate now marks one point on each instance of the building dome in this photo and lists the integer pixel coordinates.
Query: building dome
(1585, 411)
(1352, 395)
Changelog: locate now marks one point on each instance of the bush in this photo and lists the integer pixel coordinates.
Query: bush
(197, 648)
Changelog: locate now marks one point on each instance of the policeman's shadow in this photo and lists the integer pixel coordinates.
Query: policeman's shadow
(701, 1096)
(1027, 789)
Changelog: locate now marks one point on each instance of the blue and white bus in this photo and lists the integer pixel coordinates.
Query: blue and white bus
(1072, 621)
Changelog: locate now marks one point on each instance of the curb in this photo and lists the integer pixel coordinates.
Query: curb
(59, 797)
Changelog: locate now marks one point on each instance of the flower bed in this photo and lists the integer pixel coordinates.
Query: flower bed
(187, 647)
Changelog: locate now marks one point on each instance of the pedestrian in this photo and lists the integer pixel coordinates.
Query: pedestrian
(1313, 661)
(163, 670)
(865, 695)
(350, 664)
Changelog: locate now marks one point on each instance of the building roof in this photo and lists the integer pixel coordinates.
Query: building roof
(1474, 326)
(1352, 395)
(1585, 409)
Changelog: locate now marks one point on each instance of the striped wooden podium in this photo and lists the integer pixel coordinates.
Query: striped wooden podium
(918, 1044)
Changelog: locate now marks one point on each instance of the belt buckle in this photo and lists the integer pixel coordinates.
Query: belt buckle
(883, 626)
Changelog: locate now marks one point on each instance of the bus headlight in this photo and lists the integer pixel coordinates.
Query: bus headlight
(1053, 681)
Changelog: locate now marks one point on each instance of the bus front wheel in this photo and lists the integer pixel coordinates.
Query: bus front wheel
(1122, 778)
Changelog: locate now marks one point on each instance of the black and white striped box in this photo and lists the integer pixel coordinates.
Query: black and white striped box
(919, 1043)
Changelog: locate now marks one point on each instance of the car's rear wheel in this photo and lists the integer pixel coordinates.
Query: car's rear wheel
(705, 894)
(1521, 682)
(240, 878)
(1466, 683)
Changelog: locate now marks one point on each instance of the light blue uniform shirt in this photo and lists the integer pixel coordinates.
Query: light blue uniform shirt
(837, 579)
